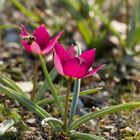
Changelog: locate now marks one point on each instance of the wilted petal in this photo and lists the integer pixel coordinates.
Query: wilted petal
(89, 56)
(52, 43)
(71, 52)
(42, 36)
(93, 71)
(58, 63)
(35, 48)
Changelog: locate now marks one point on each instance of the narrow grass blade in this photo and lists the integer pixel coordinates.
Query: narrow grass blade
(76, 91)
(82, 93)
(81, 22)
(101, 113)
(43, 88)
(11, 84)
(24, 101)
(105, 20)
(9, 26)
(90, 91)
(134, 30)
(83, 136)
(51, 86)
(40, 112)
(25, 10)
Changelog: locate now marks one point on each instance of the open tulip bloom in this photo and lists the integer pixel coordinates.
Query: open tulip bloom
(72, 66)
(39, 42)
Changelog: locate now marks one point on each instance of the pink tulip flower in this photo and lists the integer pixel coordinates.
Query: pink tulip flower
(72, 66)
(39, 42)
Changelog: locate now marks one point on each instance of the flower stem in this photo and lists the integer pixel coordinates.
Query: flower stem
(52, 88)
(35, 79)
(67, 103)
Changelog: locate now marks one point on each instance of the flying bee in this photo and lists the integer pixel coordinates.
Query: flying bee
(29, 38)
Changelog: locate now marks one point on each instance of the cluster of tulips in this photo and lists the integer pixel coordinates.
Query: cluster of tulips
(71, 64)
(66, 62)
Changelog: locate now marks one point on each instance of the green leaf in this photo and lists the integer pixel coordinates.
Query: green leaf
(133, 31)
(105, 20)
(84, 136)
(90, 91)
(53, 120)
(11, 84)
(24, 10)
(9, 26)
(51, 86)
(43, 88)
(82, 93)
(102, 112)
(81, 22)
(24, 101)
(40, 112)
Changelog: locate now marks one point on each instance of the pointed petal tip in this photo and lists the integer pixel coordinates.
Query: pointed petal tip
(60, 34)
(89, 57)
(42, 25)
(53, 43)
(22, 26)
(23, 30)
(93, 71)
(71, 52)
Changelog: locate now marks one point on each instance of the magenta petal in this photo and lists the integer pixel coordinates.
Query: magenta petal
(35, 48)
(71, 67)
(71, 52)
(24, 31)
(42, 37)
(24, 42)
(26, 46)
(74, 68)
(58, 64)
(89, 56)
(61, 52)
(81, 71)
(93, 71)
(52, 43)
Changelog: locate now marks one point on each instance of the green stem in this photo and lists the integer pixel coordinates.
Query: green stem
(52, 88)
(67, 103)
(127, 17)
(35, 79)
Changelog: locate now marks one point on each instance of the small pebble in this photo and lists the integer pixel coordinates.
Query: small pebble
(31, 121)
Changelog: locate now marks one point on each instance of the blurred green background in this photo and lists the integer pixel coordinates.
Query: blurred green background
(95, 23)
